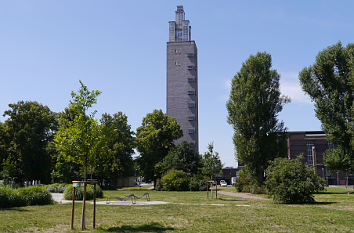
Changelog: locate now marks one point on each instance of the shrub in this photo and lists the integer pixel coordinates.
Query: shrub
(79, 192)
(244, 183)
(175, 180)
(10, 198)
(56, 188)
(198, 183)
(289, 181)
(35, 195)
(24, 196)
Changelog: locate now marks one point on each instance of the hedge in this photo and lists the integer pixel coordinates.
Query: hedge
(24, 196)
(79, 192)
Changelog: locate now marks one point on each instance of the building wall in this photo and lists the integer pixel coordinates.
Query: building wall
(182, 88)
(302, 142)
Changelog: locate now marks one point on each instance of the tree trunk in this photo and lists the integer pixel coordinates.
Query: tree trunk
(260, 176)
(84, 202)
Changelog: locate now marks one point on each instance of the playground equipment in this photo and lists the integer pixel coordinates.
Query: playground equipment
(131, 196)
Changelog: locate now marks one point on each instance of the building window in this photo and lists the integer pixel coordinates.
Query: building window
(190, 67)
(309, 154)
(190, 55)
(191, 118)
(191, 80)
(191, 131)
(191, 92)
(177, 63)
(191, 105)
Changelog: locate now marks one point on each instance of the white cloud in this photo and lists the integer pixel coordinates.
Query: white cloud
(290, 86)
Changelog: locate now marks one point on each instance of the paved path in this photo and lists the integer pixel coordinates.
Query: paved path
(243, 195)
(58, 197)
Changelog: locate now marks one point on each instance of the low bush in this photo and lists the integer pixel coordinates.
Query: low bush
(10, 198)
(198, 183)
(24, 196)
(175, 180)
(245, 183)
(290, 181)
(56, 188)
(35, 195)
(79, 192)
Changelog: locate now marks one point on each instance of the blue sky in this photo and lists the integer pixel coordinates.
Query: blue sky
(119, 47)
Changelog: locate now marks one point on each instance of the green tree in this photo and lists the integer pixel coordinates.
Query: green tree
(154, 139)
(3, 153)
(25, 137)
(182, 157)
(64, 171)
(119, 141)
(253, 107)
(80, 140)
(330, 84)
(211, 164)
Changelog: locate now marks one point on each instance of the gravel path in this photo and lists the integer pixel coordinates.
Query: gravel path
(243, 195)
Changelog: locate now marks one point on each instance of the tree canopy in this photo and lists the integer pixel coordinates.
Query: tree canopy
(24, 141)
(330, 84)
(211, 163)
(253, 107)
(80, 140)
(154, 139)
(120, 143)
(182, 157)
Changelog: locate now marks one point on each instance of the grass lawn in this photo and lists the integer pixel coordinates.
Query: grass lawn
(191, 212)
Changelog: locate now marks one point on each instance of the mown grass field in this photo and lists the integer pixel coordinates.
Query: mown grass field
(192, 212)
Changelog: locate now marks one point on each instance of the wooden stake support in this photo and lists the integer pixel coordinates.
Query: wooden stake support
(77, 184)
(209, 187)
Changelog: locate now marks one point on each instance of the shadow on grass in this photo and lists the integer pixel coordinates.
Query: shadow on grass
(311, 203)
(223, 199)
(322, 203)
(350, 192)
(133, 190)
(151, 227)
(18, 209)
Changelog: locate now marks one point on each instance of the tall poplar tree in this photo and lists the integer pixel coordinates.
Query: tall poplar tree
(253, 108)
(330, 84)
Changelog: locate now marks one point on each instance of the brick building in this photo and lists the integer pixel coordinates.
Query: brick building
(307, 142)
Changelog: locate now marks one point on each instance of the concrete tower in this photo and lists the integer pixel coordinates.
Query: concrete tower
(182, 78)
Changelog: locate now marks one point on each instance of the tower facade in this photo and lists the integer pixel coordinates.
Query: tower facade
(182, 78)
